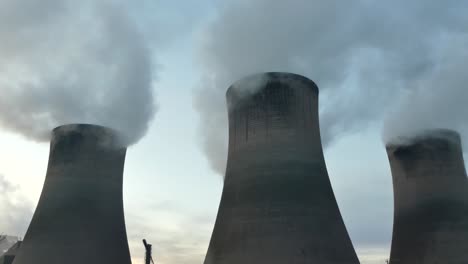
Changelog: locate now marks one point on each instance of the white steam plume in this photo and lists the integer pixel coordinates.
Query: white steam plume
(437, 100)
(65, 61)
(364, 55)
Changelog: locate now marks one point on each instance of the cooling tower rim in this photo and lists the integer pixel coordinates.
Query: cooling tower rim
(441, 134)
(79, 126)
(268, 76)
(106, 135)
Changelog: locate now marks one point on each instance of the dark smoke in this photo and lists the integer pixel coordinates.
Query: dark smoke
(15, 211)
(73, 62)
(367, 57)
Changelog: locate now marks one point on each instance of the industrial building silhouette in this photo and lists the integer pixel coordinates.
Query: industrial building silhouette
(430, 199)
(277, 203)
(8, 256)
(79, 218)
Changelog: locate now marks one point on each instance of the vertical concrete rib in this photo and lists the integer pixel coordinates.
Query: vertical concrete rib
(430, 200)
(277, 204)
(79, 218)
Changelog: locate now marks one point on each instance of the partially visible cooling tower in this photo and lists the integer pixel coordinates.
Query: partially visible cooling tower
(431, 200)
(79, 218)
(277, 204)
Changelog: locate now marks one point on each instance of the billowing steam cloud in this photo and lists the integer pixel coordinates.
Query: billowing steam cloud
(437, 100)
(73, 62)
(15, 211)
(366, 57)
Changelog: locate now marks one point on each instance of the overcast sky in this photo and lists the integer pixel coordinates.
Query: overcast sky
(158, 71)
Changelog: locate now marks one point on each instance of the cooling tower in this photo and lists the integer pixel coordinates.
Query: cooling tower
(79, 218)
(431, 200)
(277, 203)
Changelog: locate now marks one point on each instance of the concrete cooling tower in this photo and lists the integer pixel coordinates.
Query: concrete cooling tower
(79, 218)
(277, 204)
(431, 200)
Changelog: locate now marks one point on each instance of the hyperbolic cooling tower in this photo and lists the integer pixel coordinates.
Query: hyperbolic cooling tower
(79, 218)
(277, 204)
(431, 200)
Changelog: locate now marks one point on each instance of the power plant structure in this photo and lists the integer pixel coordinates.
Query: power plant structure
(277, 203)
(148, 252)
(10, 254)
(430, 200)
(80, 218)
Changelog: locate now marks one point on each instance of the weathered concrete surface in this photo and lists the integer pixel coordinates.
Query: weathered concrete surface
(431, 200)
(79, 218)
(277, 205)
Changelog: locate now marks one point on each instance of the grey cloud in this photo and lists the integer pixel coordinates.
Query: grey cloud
(438, 99)
(365, 56)
(16, 211)
(73, 62)
(362, 183)
(369, 216)
(400, 63)
(178, 234)
(373, 255)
